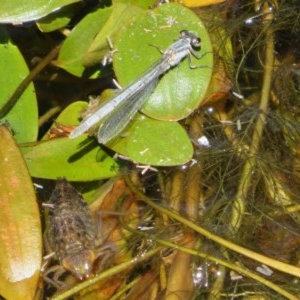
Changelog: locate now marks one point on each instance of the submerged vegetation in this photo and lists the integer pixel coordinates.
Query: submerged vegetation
(221, 220)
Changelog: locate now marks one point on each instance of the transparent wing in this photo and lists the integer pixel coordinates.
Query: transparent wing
(120, 117)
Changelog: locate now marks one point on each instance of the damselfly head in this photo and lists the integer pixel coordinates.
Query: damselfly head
(195, 41)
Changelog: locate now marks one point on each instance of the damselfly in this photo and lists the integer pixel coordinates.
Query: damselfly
(119, 110)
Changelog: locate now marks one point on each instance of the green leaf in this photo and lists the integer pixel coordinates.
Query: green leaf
(182, 89)
(75, 46)
(20, 235)
(152, 142)
(120, 17)
(170, 145)
(57, 19)
(23, 117)
(69, 116)
(78, 160)
(20, 11)
(179, 92)
(145, 4)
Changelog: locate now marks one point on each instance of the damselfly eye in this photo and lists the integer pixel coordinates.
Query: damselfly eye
(184, 33)
(196, 41)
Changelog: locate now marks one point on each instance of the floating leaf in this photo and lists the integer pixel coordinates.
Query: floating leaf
(144, 4)
(170, 145)
(57, 19)
(182, 89)
(23, 117)
(20, 228)
(78, 160)
(69, 116)
(20, 11)
(81, 159)
(75, 46)
(121, 15)
(179, 92)
(152, 142)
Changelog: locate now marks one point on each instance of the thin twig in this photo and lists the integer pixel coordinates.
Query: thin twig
(48, 115)
(27, 80)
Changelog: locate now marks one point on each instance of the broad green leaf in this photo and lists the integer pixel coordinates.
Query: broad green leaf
(182, 89)
(145, 4)
(20, 11)
(120, 17)
(152, 142)
(178, 93)
(23, 117)
(170, 145)
(69, 116)
(75, 46)
(78, 160)
(81, 159)
(57, 19)
(20, 234)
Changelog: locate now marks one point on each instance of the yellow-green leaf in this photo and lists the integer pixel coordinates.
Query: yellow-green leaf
(20, 228)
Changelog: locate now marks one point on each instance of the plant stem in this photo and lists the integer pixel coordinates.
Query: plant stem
(238, 208)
